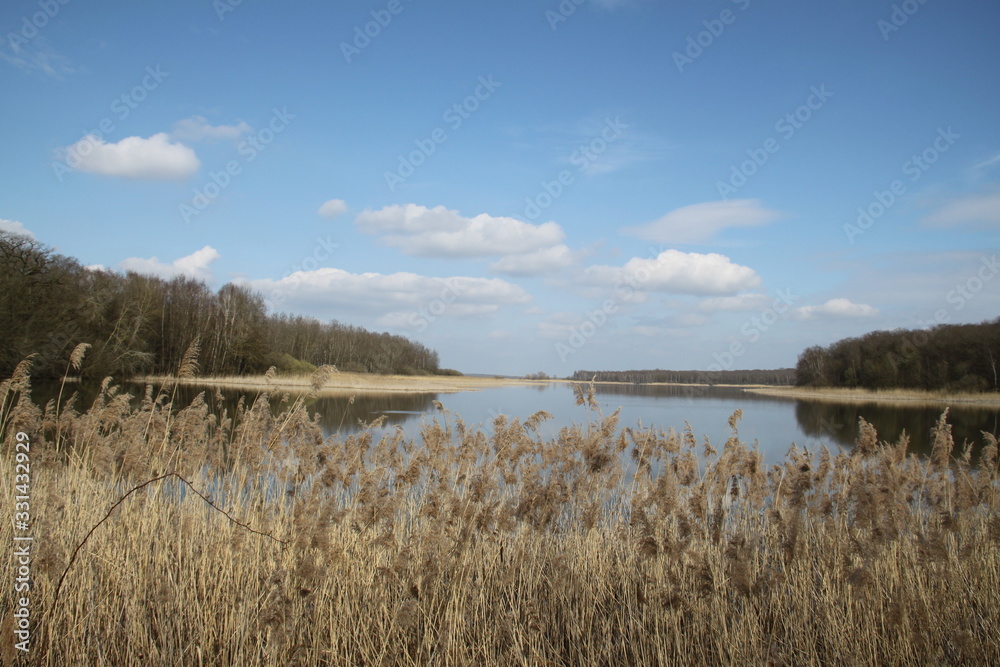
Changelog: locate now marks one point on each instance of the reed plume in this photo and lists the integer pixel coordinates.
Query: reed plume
(604, 544)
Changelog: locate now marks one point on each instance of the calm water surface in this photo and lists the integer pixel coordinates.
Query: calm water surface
(774, 422)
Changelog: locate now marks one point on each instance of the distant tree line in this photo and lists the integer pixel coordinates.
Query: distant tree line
(778, 376)
(140, 324)
(958, 357)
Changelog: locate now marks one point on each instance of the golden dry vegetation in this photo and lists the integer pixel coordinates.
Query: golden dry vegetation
(343, 383)
(903, 396)
(263, 542)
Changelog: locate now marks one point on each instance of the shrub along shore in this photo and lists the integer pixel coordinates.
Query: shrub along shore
(164, 535)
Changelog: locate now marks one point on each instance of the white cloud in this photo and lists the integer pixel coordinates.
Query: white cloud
(677, 272)
(397, 299)
(835, 308)
(546, 260)
(15, 227)
(701, 222)
(410, 219)
(739, 302)
(196, 265)
(155, 158)
(975, 210)
(333, 208)
(440, 232)
(557, 329)
(197, 128)
(413, 318)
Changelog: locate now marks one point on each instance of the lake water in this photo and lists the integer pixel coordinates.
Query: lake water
(773, 421)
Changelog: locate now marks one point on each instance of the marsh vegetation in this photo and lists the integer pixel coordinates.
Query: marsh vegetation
(607, 544)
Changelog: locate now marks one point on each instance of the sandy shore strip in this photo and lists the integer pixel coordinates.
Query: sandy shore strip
(339, 384)
(900, 396)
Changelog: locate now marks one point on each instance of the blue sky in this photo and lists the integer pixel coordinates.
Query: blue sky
(522, 186)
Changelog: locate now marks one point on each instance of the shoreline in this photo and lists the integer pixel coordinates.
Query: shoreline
(344, 383)
(844, 395)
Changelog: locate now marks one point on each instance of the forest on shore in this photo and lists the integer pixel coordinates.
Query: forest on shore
(777, 376)
(954, 357)
(139, 324)
(951, 357)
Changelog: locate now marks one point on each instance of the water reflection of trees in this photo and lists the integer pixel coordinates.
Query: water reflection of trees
(838, 423)
(683, 391)
(832, 423)
(336, 413)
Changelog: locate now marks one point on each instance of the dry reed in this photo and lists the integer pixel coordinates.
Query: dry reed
(605, 545)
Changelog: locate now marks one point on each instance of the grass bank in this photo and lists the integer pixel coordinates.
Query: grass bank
(605, 545)
(908, 396)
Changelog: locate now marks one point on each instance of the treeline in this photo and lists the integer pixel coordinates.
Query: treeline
(956, 357)
(778, 376)
(141, 324)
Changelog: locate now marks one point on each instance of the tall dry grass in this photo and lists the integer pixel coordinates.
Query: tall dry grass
(605, 545)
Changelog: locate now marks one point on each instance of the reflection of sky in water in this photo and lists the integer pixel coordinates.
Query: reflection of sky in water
(776, 423)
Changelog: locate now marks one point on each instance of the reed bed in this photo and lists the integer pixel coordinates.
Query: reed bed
(264, 542)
